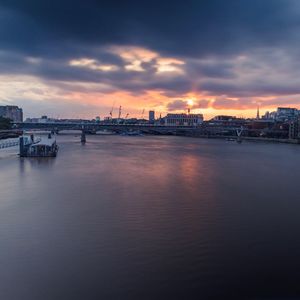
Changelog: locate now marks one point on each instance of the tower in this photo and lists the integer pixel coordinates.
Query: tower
(257, 114)
(151, 116)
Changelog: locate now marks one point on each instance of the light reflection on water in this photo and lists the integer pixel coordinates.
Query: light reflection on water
(150, 218)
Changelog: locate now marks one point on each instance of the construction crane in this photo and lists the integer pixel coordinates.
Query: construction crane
(112, 110)
(120, 112)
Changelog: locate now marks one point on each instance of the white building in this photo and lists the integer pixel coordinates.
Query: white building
(286, 113)
(183, 119)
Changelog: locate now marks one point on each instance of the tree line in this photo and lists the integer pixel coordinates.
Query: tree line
(5, 123)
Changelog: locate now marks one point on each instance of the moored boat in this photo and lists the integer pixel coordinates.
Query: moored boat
(41, 147)
(105, 132)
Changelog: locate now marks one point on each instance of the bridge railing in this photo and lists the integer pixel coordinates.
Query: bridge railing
(9, 143)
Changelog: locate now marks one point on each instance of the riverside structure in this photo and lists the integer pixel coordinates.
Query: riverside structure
(40, 147)
(280, 126)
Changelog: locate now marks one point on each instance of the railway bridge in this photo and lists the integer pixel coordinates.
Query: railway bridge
(203, 130)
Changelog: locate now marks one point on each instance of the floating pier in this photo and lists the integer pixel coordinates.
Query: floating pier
(38, 147)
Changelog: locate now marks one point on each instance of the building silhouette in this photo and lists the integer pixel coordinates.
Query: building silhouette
(14, 113)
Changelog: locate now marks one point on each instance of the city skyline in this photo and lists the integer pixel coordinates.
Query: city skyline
(216, 58)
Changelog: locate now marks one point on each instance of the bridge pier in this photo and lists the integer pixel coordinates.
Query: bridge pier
(83, 137)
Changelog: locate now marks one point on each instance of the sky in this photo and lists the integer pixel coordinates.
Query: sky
(76, 59)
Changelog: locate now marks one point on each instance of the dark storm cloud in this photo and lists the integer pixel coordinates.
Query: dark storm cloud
(177, 105)
(60, 70)
(210, 69)
(207, 35)
(252, 89)
(188, 28)
(242, 103)
(203, 103)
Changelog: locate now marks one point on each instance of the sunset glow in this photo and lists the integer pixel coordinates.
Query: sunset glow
(151, 70)
(190, 102)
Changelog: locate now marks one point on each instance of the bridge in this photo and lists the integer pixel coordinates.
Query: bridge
(203, 130)
(92, 128)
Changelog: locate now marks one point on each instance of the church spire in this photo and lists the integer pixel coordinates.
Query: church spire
(257, 114)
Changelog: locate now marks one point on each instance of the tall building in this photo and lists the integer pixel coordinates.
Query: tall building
(12, 112)
(151, 116)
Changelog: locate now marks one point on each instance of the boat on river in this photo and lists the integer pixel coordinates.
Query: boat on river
(105, 132)
(38, 147)
(132, 133)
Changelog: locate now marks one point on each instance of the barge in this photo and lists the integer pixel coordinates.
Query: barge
(38, 147)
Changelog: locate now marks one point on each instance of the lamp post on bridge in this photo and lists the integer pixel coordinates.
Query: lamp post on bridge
(239, 134)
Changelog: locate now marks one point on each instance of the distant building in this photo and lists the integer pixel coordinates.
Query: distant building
(12, 112)
(267, 116)
(294, 129)
(282, 114)
(183, 119)
(223, 118)
(286, 114)
(31, 120)
(41, 120)
(151, 116)
(97, 119)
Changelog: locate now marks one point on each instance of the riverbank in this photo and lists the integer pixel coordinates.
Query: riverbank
(5, 134)
(244, 138)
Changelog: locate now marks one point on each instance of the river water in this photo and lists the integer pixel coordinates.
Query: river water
(151, 218)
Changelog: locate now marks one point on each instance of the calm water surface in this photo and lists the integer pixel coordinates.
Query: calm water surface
(151, 218)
